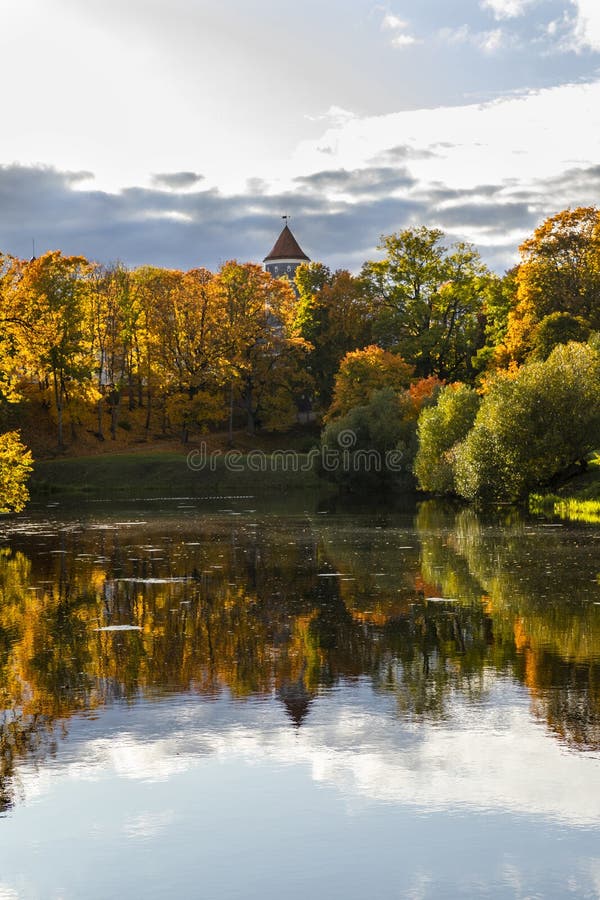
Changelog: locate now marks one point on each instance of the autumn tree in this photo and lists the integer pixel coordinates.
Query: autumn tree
(190, 327)
(362, 372)
(334, 316)
(113, 314)
(15, 458)
(51, 296)
(14, 329)
(427, 301)
(559, 272)
(152, 288)
(15, 469)
(264, 356)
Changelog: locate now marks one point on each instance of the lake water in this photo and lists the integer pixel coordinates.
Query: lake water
(242, 699)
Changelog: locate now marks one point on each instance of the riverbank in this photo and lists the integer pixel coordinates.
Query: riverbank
(576, 501)
(155, 474)
(170, 474)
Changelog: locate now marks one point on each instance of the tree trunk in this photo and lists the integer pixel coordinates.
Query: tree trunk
(100, 410)
(250, 423)
(115, 405)
(59, 411)
(230, 435)
(148, 413)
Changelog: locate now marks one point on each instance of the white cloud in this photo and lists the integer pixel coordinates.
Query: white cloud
(518, 142)
(401, 37)
(458, 35)
(486, 41)
(393, 23)
(335, 115)
(507, 9)
(535, 135)
(403, 40)
(490, 41)
(587, 26)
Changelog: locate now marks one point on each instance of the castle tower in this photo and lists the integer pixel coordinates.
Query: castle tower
(286, 255)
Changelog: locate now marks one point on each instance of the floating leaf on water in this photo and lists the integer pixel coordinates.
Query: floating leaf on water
(152, 580)
(119, 628)
(441, 599)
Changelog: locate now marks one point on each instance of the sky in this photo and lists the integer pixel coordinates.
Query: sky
(177, 133)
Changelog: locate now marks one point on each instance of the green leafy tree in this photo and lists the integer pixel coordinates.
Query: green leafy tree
(427, 301)
(557, 328)
(533, 426)
(499, 297)
(440, 429)
(360, 440)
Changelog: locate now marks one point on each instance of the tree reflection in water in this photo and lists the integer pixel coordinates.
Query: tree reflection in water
(288, 608)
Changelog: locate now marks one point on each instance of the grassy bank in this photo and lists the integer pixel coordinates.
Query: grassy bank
(576, 501)
(164, 474)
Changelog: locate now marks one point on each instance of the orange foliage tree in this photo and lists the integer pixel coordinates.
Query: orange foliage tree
(362, 372)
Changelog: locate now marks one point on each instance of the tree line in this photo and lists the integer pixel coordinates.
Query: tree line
(106, 348)
(504, 387)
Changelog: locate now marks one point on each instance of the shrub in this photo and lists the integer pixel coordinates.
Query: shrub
(361, 440)
(532, 426)
(440, 429)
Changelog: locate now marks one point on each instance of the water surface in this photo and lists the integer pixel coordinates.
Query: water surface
(230, 699)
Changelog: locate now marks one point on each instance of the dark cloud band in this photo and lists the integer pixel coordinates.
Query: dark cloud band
(189, 225)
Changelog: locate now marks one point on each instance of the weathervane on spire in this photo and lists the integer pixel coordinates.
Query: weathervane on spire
(286, 219)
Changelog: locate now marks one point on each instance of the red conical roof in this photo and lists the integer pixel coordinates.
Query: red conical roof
(286, 247)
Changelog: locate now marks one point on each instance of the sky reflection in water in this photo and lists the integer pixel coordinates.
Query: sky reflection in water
(348, 704)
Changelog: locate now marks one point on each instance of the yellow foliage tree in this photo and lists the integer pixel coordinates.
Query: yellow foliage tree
(15, 468)
(559, 273)
(51, 298)
(362, 372)
(263, 351)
